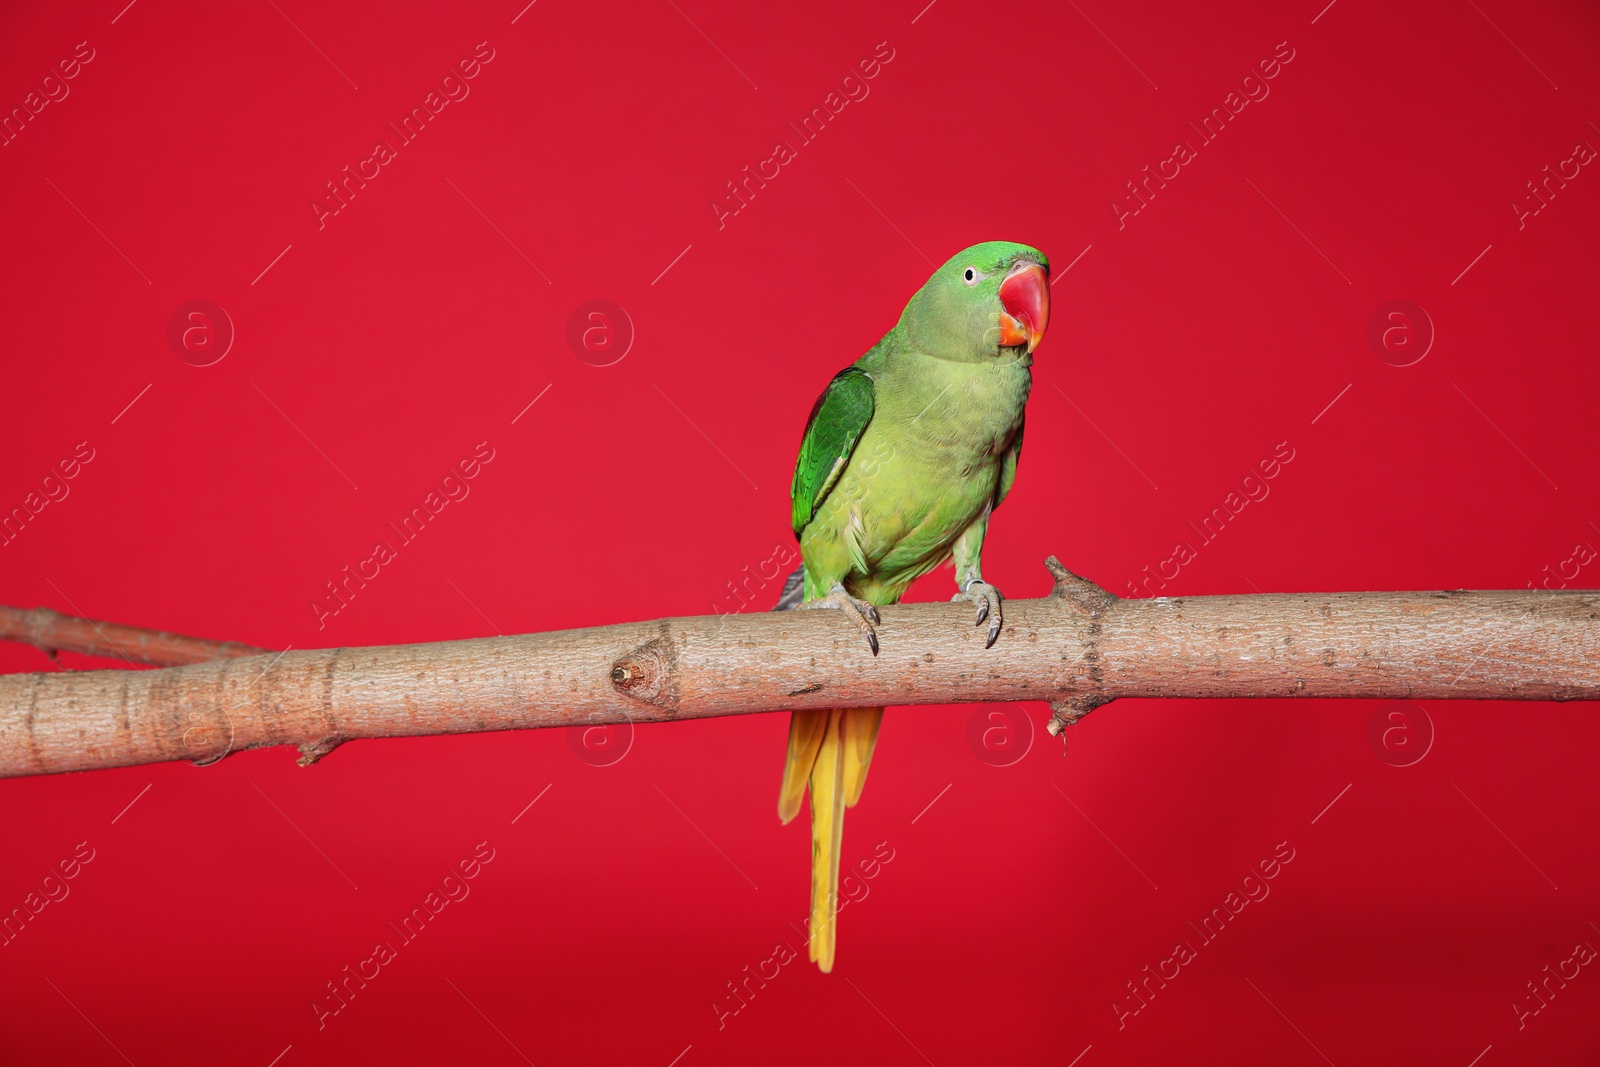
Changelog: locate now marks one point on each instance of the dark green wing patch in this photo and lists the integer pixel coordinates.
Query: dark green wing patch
(838, 419)
(1008, 464)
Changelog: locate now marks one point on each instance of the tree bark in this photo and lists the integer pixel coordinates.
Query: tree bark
(52, 632)
(1078, 648)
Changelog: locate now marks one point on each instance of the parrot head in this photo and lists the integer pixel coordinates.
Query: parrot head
(989, 301)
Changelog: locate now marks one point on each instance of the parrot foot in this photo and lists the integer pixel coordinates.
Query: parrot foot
(987, 597)
(857, 610)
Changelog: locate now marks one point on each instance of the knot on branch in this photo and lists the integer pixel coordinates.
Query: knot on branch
(1068, 712)
(648, 673)
(1089, 599)
(312, 751)
(1085, 596)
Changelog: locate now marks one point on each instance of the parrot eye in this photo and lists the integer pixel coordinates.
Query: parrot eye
(972, 277)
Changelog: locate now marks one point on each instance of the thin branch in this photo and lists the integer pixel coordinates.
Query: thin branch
(1080, 647)
(52, 632)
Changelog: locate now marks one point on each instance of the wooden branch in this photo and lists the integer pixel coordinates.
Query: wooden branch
(1078, 648)
(52, 632)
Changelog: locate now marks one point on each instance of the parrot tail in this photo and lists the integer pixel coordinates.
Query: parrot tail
(830, 751)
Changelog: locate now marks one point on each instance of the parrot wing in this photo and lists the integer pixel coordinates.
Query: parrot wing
(838, 419)
(794, 590)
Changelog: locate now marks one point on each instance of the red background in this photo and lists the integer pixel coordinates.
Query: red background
(1222, 319)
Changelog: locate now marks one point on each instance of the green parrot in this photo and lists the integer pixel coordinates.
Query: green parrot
(906, 453)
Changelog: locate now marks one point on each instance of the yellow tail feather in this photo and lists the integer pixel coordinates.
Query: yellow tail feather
(830, 751)
(860, 738)
(805, 738)
(827, 830)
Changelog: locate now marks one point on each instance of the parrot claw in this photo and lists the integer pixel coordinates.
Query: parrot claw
(987, 597)
(859, 612)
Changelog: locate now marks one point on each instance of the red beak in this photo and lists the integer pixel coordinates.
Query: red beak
(1025, 295)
